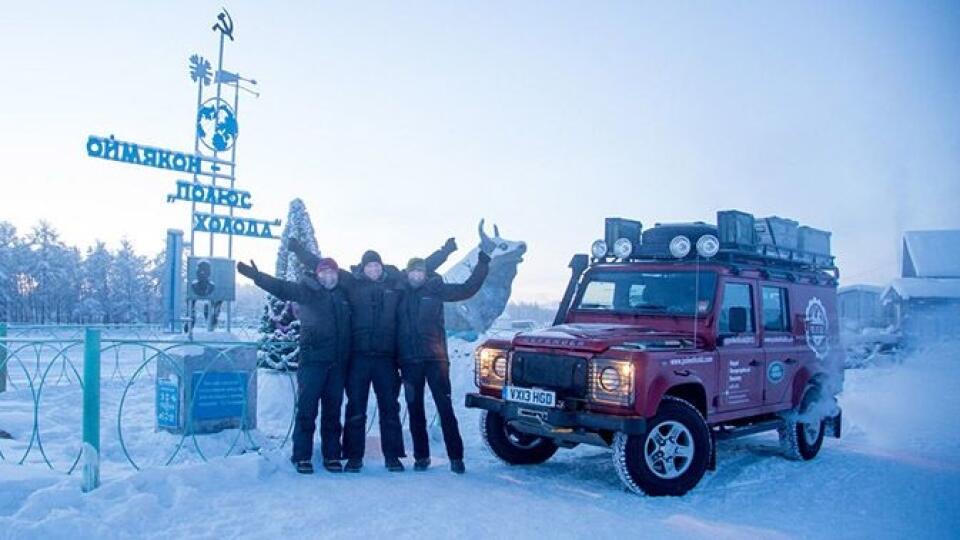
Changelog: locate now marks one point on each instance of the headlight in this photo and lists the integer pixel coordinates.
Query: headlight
(500, 367)
(611, 381)
(491, 367)
(708, 246)
(680, 246)
(622, 248)
(599, 249)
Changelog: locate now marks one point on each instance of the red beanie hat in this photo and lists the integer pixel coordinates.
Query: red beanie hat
(327, 263)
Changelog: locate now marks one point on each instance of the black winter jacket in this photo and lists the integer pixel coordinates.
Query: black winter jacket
(374, 304)
(422, 334)
(324, 317)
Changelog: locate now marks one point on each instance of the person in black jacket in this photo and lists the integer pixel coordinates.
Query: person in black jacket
(324, 352)
(422, 340)
(374, 292)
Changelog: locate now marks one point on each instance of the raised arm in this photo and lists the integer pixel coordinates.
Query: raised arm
(438, 257)
(282, 289)
(304, 255)
(455, 292)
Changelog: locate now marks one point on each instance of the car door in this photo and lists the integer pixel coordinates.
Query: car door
(738, 349)
(781, 350)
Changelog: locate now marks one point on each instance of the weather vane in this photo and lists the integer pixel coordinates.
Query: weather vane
(224, 24)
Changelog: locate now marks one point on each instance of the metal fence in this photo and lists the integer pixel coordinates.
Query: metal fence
(58, 383)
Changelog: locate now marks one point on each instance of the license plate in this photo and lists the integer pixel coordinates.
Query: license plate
(530, 396)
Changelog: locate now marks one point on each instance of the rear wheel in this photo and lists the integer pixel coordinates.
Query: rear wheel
(802, 433)
(671, 458)
(512, 446)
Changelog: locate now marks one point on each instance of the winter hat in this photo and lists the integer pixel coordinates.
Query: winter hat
(327, 263)
(370, 256)
(416, 263)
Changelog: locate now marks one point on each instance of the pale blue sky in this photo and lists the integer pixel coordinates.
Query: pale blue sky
(400, 124)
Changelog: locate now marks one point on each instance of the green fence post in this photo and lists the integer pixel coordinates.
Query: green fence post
(3, 357)
(91, 410)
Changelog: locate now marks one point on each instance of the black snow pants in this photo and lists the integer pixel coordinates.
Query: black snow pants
(318, 383)
(382, 373)
(437, 375)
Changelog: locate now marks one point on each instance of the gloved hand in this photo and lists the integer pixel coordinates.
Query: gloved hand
(450, 245)
(248, 270)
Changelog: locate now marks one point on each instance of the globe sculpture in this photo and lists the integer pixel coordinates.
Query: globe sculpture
(216, 125)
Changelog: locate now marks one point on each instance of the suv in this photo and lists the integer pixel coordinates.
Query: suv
(669, 339)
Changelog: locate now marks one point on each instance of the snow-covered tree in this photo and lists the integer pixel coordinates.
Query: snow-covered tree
(94, 304)
(8, 291)
(279, 321)
(129, 286)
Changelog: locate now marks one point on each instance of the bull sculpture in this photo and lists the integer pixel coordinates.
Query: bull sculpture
(475, 316)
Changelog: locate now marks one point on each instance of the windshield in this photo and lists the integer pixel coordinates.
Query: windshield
(650, 293)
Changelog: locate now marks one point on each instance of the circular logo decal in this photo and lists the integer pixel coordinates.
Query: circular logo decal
(775, 372)
(817, 328)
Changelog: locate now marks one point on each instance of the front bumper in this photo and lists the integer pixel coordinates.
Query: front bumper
(557, 418)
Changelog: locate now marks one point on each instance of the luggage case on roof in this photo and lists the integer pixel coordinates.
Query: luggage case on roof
(777, 231)
(736, 230)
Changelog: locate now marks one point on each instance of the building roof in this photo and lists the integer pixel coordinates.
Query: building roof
(860, 287)
(931, 254)
(934, 288)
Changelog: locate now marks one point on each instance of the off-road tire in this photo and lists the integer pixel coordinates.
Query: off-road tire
(629, 451)
(795, 444)
(494, 430)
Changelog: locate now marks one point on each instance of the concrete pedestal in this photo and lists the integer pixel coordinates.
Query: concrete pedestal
(206, 389)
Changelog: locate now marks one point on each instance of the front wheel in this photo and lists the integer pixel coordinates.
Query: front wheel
(512, 446)
(671, 458)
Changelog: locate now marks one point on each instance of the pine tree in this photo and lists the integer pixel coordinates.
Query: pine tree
(94, 295)
(129, 286)
(279, 321)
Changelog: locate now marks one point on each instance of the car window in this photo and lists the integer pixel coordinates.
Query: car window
(651, 293)
(598, 295)
(774, 301)
(736, 295)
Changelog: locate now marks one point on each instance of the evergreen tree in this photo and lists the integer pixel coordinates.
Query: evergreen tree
(94, 304)
(129, 286)
(279, 321)
(8, 291)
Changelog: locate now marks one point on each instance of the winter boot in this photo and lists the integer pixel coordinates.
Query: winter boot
(333, 465)
(394, 465)
(354, 465)
(456, 465)
(304, 467)
(421, 464)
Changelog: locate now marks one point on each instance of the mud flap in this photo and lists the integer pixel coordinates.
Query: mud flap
(712, 460)
(835, 422)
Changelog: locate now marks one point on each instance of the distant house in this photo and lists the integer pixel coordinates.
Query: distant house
(860, 307)
(924, 302)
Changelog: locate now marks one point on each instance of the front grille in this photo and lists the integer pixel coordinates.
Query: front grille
(567, 375)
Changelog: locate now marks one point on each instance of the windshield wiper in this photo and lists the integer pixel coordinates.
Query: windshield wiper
(651, 307)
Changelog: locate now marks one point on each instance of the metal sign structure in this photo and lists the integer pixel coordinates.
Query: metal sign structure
(212, 164)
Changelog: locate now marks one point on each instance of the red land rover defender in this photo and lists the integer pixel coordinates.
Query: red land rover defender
(669, 339)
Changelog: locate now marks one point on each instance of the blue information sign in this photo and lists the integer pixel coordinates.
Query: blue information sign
(218, 394)
(168, 404)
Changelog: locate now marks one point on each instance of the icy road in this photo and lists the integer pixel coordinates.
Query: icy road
(895, 474)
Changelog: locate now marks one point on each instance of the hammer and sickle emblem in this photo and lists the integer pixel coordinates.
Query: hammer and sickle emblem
(224, 24)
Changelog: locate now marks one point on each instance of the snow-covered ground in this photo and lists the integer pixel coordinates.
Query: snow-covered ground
(895, 474)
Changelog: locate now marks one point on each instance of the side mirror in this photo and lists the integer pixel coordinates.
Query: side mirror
(738, 320)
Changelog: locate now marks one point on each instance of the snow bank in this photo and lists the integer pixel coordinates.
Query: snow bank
(894, 475)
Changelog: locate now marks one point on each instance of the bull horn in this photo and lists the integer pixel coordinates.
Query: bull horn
(483, 236)
(496, 231)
